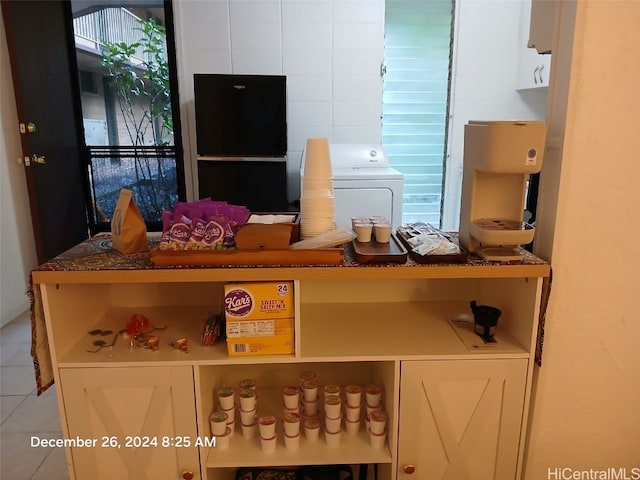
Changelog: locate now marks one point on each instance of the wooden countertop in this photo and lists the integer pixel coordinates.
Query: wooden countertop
(95, 261)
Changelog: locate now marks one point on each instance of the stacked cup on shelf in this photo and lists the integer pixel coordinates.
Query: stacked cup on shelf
(317, 203)
(376, 418)
(291, 418)
(291, 399)
(219, 430)
(248, 407)
(223, 419)
(332, 414)
(353, 394)
(267, 428)
(309, 385)
(301, 411)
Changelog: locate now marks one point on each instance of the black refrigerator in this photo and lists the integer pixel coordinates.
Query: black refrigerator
(241, 136)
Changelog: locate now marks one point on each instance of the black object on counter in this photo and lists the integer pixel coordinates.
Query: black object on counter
(485, 318)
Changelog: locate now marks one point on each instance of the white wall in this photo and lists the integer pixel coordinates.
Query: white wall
(485, 72)
(330, 51)
(586, 406)
(17, 248)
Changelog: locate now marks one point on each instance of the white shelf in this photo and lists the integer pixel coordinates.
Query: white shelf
(406, 330)
(356, 331)
(180, 322)
(353, 449)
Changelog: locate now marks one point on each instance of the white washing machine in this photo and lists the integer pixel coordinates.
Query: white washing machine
(363, 183)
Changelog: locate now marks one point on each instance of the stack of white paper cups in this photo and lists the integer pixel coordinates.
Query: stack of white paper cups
(317, 203)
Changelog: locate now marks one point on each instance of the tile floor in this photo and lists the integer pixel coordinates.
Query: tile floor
(24, 414)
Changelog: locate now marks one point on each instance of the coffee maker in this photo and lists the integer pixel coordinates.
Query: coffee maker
(499, 156)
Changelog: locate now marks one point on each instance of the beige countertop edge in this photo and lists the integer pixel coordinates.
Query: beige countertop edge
(169, 275)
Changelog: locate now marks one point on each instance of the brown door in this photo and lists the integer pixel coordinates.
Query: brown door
(42, 55)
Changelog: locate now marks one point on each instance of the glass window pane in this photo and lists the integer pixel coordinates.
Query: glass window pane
(416, 89)
(124, 75)
(126, 102)
(150, 174)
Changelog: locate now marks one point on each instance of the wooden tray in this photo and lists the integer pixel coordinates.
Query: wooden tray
(374, 252)
(432, 259)
(217, 258)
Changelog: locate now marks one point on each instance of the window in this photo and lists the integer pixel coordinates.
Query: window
(418, 41)
(88, 82)
(129, 117)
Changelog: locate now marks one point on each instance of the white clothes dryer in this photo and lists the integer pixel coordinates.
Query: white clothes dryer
(364, 185)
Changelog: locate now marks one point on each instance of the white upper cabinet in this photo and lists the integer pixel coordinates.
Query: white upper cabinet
(534, 69)
(542, 25)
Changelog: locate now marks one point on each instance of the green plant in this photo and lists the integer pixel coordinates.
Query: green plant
(139, 76)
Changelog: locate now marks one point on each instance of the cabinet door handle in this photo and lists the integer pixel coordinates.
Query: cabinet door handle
(540, 69)
(188, 475)
(409, 469)
(535, 78)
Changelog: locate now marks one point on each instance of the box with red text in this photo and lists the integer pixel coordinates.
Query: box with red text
(259, 300)
(259, 318)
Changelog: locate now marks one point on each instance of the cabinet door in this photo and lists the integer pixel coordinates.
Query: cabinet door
(542, 26)
(533, 69)
(460, 419)
(141, 403)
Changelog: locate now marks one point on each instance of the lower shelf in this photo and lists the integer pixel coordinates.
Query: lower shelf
(353, 449)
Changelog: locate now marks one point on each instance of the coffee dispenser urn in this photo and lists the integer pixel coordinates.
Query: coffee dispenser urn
(498, 158)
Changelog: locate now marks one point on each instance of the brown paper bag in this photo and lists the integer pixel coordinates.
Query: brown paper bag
(128, 230)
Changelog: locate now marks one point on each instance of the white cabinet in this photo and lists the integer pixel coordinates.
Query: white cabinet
(541, 26)
(447, 395)
(534, 69)
(142, 420)
(468, 416)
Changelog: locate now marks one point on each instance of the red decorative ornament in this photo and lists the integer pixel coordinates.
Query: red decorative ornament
(137, 323)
